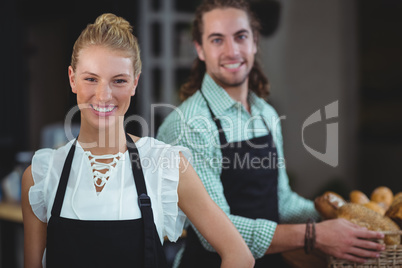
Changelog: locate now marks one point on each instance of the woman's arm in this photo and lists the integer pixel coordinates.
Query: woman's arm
(34, 229)
(210, 220)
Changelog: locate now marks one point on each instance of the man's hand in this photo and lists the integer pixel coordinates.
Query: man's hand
(343, 239)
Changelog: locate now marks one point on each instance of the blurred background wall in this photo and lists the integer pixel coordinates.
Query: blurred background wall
(345, 51)
(315, 53)
(312, 61)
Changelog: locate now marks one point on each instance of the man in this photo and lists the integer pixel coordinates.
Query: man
(239, 155)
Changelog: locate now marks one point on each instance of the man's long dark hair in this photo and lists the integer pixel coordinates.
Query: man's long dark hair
(257, 81)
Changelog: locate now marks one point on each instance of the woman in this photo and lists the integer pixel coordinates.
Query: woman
(91, 203)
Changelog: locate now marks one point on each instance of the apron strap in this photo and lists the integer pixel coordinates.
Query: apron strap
(144, 202)
(222, 137)
(61, 189)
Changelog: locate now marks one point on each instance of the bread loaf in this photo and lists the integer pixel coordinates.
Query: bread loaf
(358, 197)
(365, 217)
(397, 196)
(382, 195)
(375, 207)
(395, 210)
(328, 203)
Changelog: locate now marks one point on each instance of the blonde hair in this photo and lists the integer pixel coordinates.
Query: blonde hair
(112, 32)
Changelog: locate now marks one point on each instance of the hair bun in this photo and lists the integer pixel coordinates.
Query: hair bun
(110, 20)
(112, 32)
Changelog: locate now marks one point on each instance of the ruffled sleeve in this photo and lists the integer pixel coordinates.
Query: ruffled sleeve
(173, 217)
(40, 167)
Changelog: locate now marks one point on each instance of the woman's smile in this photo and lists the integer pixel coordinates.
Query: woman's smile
(107, 110)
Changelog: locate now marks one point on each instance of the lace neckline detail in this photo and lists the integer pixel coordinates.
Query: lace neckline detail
(101, 171)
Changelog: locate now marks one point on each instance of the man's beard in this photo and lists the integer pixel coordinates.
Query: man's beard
(225, 82)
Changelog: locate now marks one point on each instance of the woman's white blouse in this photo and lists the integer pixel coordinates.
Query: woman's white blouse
(118, 198)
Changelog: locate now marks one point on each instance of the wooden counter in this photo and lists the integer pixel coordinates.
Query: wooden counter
(11, 212)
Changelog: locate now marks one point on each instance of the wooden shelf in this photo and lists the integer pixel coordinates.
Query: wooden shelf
(11, 212)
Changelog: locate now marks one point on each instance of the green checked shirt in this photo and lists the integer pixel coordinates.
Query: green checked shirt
(191, 125)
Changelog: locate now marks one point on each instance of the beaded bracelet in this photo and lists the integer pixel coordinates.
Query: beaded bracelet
(309, 237)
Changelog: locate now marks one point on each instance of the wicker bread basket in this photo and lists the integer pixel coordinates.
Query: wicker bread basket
(390, 257)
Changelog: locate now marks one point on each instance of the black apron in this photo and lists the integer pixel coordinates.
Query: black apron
(107, 243)
(250, 186)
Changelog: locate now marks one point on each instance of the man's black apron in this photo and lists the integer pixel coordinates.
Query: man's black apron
(250, 184)
(107, 243)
